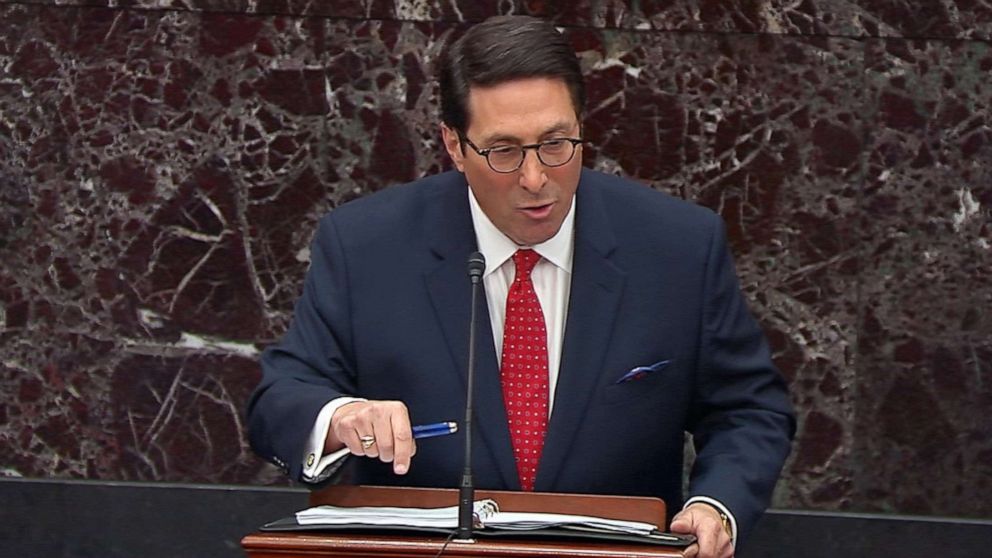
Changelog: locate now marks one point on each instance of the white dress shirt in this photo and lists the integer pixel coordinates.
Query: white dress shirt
(552, 278)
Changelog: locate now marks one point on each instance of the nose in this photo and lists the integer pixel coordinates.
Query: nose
(532, 176)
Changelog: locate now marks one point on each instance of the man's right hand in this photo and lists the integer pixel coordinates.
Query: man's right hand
(386, 422)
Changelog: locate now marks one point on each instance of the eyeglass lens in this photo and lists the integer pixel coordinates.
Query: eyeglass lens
(553, 153)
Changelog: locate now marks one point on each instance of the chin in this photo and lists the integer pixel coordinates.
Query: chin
(535, 238)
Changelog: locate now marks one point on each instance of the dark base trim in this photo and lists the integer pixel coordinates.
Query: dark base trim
(77, 519)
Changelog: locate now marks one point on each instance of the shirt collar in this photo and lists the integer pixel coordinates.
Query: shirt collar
(497, 247)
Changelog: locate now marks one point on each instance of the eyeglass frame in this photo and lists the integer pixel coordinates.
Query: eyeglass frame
(484, 153)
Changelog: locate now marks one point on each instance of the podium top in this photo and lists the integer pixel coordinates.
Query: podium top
(344, 544)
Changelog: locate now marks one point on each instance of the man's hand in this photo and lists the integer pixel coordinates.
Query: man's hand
(385, 423)
(704, 521)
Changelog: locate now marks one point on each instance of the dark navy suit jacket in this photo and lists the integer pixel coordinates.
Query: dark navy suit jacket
(385, 314)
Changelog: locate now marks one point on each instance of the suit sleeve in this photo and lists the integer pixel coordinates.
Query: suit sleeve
(742, 423)
(311, 365)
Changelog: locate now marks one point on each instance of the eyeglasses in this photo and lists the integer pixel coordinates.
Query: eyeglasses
(508, 158)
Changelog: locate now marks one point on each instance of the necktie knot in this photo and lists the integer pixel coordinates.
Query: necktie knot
(525, 260)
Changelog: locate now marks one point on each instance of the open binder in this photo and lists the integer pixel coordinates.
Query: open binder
(498, 514)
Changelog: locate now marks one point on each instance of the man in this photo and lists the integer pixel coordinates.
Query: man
(613, 320)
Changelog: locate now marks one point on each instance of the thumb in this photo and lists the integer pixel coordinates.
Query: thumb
(682, 522)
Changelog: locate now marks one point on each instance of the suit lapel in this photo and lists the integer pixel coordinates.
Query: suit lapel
(597, 286)
(452, 239)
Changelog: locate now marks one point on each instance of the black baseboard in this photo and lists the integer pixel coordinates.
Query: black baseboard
(789, 533)
(82, 519)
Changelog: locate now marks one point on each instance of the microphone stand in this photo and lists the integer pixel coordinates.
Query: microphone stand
(466, 491)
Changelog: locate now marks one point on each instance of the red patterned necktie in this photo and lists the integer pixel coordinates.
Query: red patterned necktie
(524, 369)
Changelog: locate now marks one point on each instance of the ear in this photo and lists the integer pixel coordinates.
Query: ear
(454, 146)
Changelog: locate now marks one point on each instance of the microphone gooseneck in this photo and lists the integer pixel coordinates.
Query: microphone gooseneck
(466, 491)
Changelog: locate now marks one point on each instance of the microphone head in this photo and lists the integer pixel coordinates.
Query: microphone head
(476, 266)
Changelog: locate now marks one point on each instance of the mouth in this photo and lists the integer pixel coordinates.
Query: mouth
(540, 211)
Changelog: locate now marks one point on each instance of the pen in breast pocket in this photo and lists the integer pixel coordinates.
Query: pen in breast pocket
(435, 429)
(641, 371)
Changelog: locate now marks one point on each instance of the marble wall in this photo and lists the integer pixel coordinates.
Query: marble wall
(163, 164)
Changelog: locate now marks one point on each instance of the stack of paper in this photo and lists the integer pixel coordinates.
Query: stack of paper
(487, 516)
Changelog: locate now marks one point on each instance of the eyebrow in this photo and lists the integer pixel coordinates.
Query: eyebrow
(556, 128)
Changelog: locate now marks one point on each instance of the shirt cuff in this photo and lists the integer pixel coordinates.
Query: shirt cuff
(716, 504)
(314, 460)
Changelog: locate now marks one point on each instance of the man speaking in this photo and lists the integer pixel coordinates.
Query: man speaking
(613, 321)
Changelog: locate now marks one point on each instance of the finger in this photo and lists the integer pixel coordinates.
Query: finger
(707, 533)
(383, 447)
(726, 549)
(369, 442)
(358, 441)
(724, 545)
(342, 429)
(405, 447)
(350, 423)
(393, 432)
(707, 541)
(347, 433)
(692, 551)
(682, 523)
(382, 426)
(351, 442)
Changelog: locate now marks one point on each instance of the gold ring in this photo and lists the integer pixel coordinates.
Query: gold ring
(367, 441)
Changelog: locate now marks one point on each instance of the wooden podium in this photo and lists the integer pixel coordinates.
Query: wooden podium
(381, 545)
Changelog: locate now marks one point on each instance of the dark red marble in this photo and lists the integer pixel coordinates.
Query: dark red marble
(963, 19)
(164, 165)
(924, 389)
(177, 417)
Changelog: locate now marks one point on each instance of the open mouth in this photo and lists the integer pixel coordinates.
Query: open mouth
(538, 211)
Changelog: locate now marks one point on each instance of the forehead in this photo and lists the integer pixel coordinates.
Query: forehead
(521, 109)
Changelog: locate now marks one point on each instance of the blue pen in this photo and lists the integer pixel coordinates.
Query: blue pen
(436, 429)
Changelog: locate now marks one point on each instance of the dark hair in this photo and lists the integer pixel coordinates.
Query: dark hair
(501, 49)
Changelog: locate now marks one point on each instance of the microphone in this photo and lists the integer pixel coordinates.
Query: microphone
(476, 267)
(466, 491)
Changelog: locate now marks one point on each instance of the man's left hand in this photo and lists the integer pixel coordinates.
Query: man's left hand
(704, 521)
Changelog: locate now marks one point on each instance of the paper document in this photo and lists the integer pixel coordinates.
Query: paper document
(487, 516)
